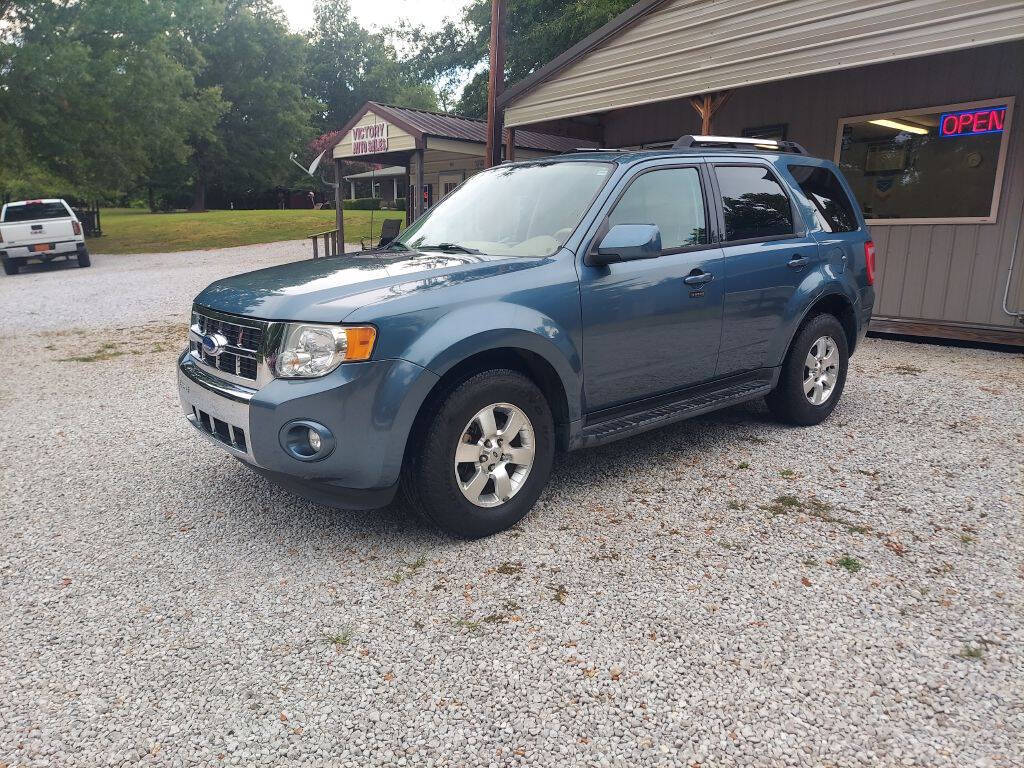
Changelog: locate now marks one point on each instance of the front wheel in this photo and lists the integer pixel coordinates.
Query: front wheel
(813, 374)
(481, 460)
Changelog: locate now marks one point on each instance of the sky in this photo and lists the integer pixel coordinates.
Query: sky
(378, 13)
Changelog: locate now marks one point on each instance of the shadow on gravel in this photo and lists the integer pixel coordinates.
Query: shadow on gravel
(260, 505)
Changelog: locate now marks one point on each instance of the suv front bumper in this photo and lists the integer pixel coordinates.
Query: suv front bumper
(368, 407)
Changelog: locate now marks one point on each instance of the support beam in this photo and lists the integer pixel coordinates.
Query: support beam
(421, 188)
(495, 85)
(706, 106)
(339, 215)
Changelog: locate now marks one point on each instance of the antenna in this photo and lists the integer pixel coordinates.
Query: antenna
(312, 168)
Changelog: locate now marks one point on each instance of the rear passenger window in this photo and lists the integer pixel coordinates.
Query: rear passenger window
(754, 203)
(670, 198)
(832, 208)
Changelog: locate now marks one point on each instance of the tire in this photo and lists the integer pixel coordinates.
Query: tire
(11, 267)
(83, 258)
(789, 401)
(431, 479)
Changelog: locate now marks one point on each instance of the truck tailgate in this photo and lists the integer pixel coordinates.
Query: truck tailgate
(41, 231)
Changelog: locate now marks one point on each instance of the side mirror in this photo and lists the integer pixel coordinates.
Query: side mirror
(627, 242)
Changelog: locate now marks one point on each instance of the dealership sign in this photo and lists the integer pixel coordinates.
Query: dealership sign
(971, 122)
(370, 139)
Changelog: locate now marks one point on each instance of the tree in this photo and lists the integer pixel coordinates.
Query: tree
(91, 92)
(348, 66)
(538, 31)
(256, 66)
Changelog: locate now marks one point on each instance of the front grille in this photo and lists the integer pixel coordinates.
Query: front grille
(226, 433)
(245, 341)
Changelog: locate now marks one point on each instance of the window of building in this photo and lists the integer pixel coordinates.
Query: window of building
(776, 131)
(929, 165)
(670, 198)
(754, 203)
(832, 207)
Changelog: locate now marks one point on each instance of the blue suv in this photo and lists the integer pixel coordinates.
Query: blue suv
(547, 305)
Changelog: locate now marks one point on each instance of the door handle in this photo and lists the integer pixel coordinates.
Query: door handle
(798, 262)
(698, 278)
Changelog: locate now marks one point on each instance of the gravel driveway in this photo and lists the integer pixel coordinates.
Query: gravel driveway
(724, 592)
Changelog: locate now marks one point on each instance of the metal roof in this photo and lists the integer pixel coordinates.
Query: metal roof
(421, 123)
(661, 50)
(383, 173)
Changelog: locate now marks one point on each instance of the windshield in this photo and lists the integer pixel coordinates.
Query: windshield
(36, 211)
(511, 210)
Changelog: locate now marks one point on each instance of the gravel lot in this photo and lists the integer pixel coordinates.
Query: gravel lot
(724, 592)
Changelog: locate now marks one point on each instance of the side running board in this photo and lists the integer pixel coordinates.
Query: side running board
(685, 405)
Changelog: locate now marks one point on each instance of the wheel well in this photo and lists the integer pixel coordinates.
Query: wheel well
(530, 364)
(840, 308)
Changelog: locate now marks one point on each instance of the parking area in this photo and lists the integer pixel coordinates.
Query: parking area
(724, 592)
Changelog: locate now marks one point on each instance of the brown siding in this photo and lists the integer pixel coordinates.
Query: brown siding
(947, 272)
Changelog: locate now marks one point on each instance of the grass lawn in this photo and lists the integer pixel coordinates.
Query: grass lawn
(130, 230)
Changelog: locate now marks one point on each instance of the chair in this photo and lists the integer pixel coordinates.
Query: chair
(388, 232)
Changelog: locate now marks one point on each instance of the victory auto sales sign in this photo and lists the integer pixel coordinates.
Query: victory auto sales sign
(370, 139)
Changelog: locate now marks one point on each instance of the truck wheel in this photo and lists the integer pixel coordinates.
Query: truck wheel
(477, 464)
(813, 374)
(10, 266)
(83, 258)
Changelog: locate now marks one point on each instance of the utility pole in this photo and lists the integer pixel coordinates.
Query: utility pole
(339, 215)
(495, 85)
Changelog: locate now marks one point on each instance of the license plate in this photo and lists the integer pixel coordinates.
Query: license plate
(41, 247)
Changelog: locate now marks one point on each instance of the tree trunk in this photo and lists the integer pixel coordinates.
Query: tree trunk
(152, 200)
(199, 197)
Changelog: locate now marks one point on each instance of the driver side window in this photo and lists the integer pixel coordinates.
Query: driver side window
(672, 199)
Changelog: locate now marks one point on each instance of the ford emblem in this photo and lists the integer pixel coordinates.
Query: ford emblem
(214, 344)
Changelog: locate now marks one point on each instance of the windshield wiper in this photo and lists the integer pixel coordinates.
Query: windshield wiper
(449, 247)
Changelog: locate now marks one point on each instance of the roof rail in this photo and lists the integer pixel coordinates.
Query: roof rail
(738, 142)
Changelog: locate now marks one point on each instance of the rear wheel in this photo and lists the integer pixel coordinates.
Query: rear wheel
(83, 258)
(10, 266)
(813, 374)
(479, 463)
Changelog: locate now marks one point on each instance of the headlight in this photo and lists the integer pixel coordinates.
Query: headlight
(309, 351)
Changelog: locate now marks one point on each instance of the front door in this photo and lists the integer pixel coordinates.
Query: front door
(449, 181)
(767, 256)
(646, 331)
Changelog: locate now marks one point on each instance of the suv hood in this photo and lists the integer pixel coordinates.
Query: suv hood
(328, 290)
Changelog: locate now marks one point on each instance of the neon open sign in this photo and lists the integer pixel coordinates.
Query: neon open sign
(972, 122)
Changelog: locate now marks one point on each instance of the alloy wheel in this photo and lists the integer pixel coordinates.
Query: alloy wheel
(495, 454)
(821, 370)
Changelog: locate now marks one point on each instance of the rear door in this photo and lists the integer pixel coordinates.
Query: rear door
(836, 225)
(768, 252)
(646, 331)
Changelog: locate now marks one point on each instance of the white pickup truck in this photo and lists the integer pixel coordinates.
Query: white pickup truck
(42, 230)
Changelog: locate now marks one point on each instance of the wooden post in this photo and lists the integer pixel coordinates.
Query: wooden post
(495, 85)
(706, 106)
(421, 187)
(339, 214)
(510, 148)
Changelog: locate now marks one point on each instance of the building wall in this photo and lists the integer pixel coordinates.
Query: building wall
(685, 47)
(953, 273)
(398, 139)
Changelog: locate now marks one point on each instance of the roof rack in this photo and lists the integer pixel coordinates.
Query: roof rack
(737, 142)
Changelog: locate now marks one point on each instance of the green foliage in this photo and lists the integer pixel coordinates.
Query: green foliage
(362, 204)
(348, 66)
(538, 31)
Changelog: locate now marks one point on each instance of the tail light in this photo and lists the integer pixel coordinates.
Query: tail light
(77, 227)
(869, 259)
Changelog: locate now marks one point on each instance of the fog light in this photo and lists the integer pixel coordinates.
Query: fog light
(307, 440)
